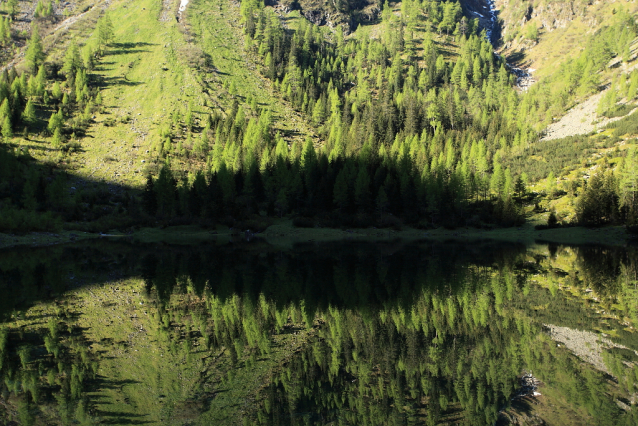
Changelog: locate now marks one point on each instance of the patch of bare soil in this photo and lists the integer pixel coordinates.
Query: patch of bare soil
(585, 345)
(168, 11)
(580, 120)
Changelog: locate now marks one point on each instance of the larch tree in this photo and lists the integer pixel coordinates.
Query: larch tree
(34, 57)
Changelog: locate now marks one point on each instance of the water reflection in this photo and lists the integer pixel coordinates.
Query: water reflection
(336, 333)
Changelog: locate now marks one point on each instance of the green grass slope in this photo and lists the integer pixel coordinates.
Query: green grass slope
(157, 67)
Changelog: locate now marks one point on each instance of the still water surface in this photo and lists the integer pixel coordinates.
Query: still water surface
(341, 334)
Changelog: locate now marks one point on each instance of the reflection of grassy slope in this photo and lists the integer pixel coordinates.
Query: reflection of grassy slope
(544, 303)
(581, 307)
(166, 382)
(148, 373)
(146, 377)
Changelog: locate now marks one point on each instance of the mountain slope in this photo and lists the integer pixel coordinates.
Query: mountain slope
(141, 114)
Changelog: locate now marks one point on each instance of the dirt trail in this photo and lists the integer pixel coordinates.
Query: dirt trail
(56, 32)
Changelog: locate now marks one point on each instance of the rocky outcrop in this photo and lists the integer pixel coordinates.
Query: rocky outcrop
(479, 9)
(515, 14)
(324, 12)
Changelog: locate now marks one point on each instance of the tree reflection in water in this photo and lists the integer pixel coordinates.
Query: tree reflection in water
(388, 333)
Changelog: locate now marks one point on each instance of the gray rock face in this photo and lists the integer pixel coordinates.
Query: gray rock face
(316, 16)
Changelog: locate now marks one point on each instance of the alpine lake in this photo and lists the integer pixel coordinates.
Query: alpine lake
(349, 333)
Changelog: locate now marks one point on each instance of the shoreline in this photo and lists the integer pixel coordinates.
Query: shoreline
(284, 235)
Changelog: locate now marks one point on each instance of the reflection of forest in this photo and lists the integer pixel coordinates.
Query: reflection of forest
(393, 334)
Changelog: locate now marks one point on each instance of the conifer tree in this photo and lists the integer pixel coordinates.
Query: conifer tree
(104, 32)
(7, 131)
(340, 194)
(28, 115)
(165, 187)
(55, 121)
(34, 55)
(629, 185)
(57, 138)
(12, 8)
(149, 198)
(72, 61)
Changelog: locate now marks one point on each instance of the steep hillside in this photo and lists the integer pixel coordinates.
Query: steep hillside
(141, 113)
(542, 35)
(155, 71)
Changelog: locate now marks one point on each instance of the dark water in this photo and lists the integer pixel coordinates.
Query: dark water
(378, 334)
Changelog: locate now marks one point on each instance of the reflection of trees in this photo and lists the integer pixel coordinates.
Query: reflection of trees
(47, 373)
(600, 267)
(442, 358)
(410, 335)
(453, 357)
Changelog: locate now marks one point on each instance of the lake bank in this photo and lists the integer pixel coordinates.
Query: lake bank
(283, 234)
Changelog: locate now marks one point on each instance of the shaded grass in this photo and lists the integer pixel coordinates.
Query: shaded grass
(284, 234)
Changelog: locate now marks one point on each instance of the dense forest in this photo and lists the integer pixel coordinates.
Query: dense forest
(420, 123)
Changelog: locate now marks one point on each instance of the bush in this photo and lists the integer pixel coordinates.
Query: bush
(618, 111)
(255, 224)
(105, 223)
(22, 221)
(72, 147)
(424, 224)
(625, 126)
(557, 226)
(552, 220)
(632, 229)
(389, 221)
(303, 222)
(474, 222)
(362, 220)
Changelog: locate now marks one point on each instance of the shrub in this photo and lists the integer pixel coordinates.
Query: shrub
(22, 221)
(389, 221)
(303, 222)
(552, 220)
